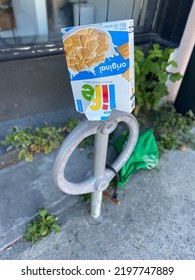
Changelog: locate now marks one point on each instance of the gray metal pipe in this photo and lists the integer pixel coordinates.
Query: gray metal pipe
(101, 145)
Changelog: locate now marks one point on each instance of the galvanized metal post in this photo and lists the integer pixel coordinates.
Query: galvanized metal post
(101, 145)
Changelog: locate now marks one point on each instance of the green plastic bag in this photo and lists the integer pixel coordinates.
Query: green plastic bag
(144, 156)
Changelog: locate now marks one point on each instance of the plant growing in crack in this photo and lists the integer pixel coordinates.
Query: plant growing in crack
(42, 225)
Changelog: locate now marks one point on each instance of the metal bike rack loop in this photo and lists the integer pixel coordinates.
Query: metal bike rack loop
(98, 180)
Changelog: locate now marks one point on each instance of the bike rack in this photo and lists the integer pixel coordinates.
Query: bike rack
(98, 180)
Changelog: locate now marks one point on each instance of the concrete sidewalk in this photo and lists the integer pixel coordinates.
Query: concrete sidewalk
(156, 218)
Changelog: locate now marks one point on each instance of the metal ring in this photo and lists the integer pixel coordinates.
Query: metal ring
(84, 129)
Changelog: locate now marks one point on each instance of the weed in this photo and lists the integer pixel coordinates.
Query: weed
(151, 76)
(71, 124)
(29, 142)
(171, 129)
(42, 225)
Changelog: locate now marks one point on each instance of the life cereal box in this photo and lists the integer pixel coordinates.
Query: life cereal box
(100, 60)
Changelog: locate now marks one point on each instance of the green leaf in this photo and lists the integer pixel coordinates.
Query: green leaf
(147, 67)
(46, 130)
(55, 228)
(137, 69)
(163, 66)
(154, 53)
(28, 156)
(50, 219)
(162, 77)
(173, 63)
(16, 137)
(48, 149)
(139, 55)
(156, 47)
(21, 154)
(43, 212)
(175, 77)
(166, 53)
(44, 230)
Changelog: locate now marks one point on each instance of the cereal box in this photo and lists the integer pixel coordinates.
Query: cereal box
(100, 60)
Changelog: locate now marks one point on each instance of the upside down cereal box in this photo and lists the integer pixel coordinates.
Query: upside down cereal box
(100, 60)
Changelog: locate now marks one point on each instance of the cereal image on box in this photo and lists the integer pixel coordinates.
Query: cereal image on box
(126, 74)
(124, 50)
(87, 48)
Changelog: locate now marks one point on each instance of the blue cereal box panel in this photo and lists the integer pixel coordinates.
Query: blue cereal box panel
(100, 60)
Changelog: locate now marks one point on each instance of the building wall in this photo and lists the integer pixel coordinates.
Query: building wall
(33, 86)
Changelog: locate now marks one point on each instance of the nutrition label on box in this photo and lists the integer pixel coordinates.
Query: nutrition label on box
(100, 60)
